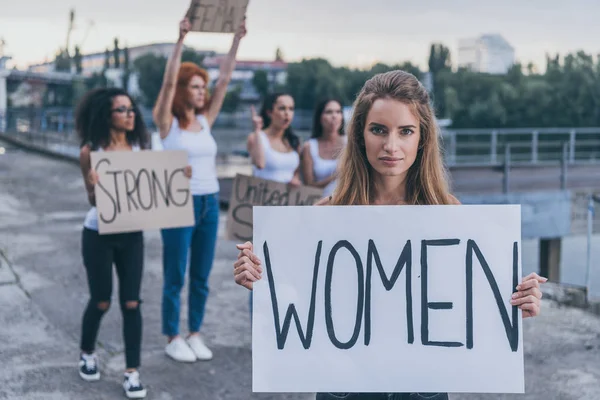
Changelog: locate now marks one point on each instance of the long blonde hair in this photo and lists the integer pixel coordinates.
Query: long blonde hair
(426, 181)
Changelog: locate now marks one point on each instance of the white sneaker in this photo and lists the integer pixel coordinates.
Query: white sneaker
(199, 348)
(178, 350)
(132, 385)
(88, 367)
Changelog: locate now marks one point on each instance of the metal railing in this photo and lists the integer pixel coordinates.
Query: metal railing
(534, 146)
(464, 147)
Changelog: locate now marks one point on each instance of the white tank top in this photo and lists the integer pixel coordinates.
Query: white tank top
(202, 155)
(322, 168)
(91, 218)
(279, 167)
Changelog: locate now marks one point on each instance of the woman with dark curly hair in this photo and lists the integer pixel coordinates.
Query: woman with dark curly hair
(108, 120)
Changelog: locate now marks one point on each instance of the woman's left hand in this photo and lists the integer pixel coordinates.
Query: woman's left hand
(295, 182)
(187, 171)
(528, 295)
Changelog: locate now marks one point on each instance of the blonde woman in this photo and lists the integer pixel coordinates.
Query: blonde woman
(392, 158)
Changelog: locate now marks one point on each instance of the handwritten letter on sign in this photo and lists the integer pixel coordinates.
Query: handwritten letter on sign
(249, 191)
(142, 190)
(222, 16)
(387, 299)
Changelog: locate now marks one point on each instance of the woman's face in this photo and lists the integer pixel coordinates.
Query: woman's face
(282, 113)
(331, 118)
(196, 92)
(391, 137)
(122, 114)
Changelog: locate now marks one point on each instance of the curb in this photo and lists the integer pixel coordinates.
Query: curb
(570, 296)
(38, 149)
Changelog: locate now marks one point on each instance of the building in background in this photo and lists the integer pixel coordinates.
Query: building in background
(94, 62)
(242, 76)
(490, 54)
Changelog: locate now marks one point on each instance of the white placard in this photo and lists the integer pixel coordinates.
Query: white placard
(142, 190)
(388, 299)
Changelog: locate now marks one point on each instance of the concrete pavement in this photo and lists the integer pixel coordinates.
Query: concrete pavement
(43, 293)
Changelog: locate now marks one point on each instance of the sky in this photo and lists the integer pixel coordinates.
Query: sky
(347, 32)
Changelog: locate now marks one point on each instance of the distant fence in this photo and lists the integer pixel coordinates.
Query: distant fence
(485, 147)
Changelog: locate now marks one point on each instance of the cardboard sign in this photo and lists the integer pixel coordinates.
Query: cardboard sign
(142, 190)
(249, 191)
(222, 16)
(387, 299)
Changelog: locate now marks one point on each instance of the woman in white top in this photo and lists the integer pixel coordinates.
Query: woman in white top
(108, 120)
(275, 151)
(184, 115)
(320, 153)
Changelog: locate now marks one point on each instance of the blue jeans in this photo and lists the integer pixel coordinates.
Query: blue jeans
(202, 239)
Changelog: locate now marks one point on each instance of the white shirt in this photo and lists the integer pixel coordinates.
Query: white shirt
(202, 155)
(279, 167)
(322, 168)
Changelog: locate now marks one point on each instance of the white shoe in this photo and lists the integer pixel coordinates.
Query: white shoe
(178, 350)
(88, 367)
(132, 386)
(199, 348)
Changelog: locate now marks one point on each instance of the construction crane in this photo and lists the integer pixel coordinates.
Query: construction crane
(87, 32)
(70, 30)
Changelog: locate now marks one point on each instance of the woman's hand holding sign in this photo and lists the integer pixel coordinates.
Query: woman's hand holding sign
(187, 171)
(247, 269)
(92, 177)
(528, 295)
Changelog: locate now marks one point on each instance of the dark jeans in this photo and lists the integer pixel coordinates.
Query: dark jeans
(201, 239)
(126, 252)
(382, 396)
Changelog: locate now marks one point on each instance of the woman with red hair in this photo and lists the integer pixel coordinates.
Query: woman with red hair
(184, 115)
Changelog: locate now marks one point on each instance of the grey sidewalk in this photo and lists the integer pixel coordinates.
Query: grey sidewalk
(43, 292)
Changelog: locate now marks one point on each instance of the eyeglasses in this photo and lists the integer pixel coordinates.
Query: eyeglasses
(123, 110)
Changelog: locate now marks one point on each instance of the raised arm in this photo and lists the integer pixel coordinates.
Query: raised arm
(162, 109)
(256, 150)
(227, 67)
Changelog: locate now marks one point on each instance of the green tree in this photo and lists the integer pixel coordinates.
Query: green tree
(232, 99)
(440, 66)
(106, 59)
(192, 56)
(126, 67)
(150, 69)
(117, 54)
(260, 81)
(62, 61)
(278, 55)
(77, 60)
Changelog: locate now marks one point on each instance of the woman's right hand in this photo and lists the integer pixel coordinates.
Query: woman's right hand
(184, 28)
(257, 121)
(247, 269)
(92, 177)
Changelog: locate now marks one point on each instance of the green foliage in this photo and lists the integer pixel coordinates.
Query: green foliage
(260, 81)
(151, 69)
(232, 99)
(311, 80)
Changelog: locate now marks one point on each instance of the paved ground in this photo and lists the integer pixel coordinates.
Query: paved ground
(43, 293)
